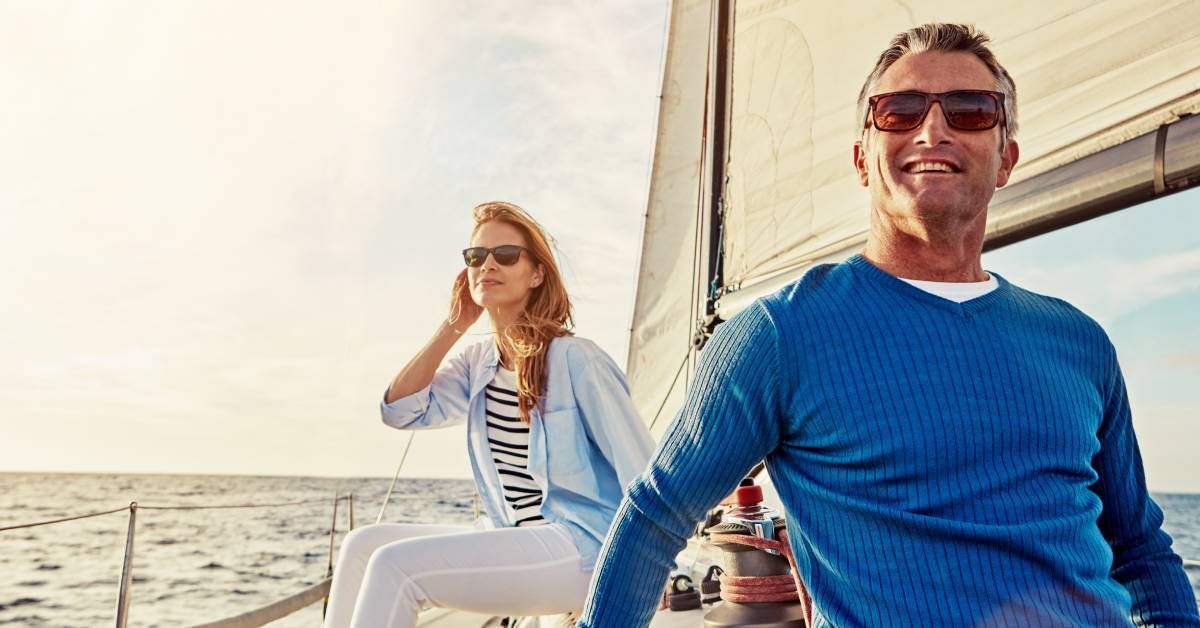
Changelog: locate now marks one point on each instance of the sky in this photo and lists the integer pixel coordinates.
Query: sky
(225, 227)
(1137, 273)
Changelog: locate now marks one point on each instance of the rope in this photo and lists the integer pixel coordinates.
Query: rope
(715, 285)
(388, 497)
(669, 389)
(178, 507)
(742, 589)
(275, 610)
(46, 523)
(229, 506)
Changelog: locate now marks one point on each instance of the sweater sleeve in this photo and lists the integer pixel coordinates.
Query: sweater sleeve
(1143, 561)
(730, 420)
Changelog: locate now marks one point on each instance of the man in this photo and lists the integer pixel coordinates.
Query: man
(951, 450)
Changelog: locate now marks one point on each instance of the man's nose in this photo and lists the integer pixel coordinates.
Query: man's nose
(934, 129)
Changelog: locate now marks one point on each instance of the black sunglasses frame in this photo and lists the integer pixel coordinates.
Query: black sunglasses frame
(930, 98)
(500, 253)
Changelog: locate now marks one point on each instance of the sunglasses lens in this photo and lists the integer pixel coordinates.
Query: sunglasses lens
(900, 112)
(475, 256)
(507, 255)
(971, 111)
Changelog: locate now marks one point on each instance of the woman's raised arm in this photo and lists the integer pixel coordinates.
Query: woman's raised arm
(419, 371)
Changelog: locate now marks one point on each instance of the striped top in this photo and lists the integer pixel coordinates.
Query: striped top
(509, 440)
(940, 463)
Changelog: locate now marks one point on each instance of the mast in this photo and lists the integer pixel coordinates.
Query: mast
(710, 288)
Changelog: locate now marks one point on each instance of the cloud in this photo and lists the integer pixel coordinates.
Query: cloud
(236, 224)
(1106, 286)
(1182, 359)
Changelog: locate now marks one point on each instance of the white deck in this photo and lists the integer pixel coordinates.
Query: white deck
(442, 618)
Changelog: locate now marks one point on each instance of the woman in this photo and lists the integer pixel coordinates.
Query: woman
(552, 435)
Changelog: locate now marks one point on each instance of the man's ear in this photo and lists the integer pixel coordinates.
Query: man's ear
(860, 162)
(1008, 160)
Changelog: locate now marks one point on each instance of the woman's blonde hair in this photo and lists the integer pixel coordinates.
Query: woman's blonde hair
(547, 313)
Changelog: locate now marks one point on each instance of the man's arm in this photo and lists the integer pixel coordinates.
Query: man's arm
(1143, 561)
(731, 419)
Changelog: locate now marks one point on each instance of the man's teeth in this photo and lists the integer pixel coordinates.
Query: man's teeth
(930, 167)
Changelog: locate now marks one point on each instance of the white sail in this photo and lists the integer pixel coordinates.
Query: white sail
(662, 312)
(1090, 76)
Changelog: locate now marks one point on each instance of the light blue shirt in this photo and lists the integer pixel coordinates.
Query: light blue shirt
(586, 442)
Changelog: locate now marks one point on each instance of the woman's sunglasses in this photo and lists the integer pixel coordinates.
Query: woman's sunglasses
(505, 254)
(964, 109)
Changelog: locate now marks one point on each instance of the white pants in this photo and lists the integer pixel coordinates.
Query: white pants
(386, 573)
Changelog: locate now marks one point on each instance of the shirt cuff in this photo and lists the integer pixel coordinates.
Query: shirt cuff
(404, 411)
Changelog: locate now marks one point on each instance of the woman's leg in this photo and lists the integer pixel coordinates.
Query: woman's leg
(508, 571)
(353, 555)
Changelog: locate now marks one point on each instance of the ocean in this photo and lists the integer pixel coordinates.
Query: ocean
(190, 566)
(193, 566)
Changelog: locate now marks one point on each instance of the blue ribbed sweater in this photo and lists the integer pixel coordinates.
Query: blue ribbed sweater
(940, 464)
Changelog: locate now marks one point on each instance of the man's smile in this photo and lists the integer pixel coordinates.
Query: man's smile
(931, 166)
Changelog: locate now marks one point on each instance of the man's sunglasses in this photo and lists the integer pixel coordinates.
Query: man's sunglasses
(505, 254)
(964, 109)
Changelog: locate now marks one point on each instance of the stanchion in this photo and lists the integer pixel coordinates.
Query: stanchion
(332, 536)
(127, 570)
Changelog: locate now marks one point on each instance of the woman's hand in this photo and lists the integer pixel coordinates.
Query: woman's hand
(463, 309)
(419, 371)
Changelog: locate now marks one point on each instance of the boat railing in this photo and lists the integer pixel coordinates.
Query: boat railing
(262, 615)
(275, 610)
(257, 617)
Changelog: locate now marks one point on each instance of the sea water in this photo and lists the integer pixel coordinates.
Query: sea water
(194, 566)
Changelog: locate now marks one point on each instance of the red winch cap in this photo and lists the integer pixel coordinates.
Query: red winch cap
(748, 495)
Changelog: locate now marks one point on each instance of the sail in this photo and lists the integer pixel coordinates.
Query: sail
(663, 310)
(1091, 77)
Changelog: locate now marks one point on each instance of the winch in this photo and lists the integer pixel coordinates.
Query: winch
(758, 586)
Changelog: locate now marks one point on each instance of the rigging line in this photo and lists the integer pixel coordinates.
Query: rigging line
(388, 497)
(195, 507)
(230, 506)
(670, 388)
(719, 177)
(704, 137)
(64, 519)
(696, 285)
(715, 284)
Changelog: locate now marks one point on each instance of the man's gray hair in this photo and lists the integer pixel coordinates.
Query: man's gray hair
(945, 38)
